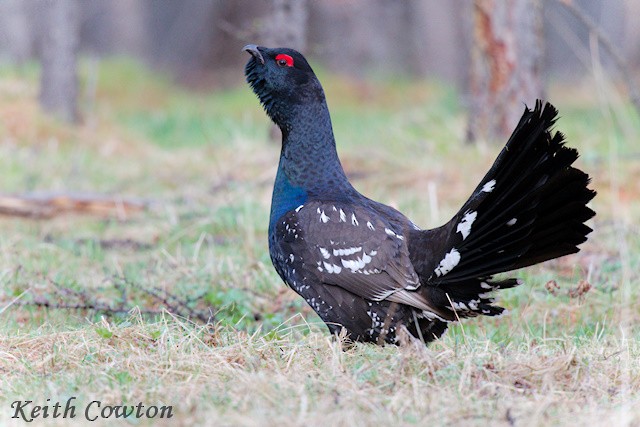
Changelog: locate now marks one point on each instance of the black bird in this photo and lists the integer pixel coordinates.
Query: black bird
(364, 266)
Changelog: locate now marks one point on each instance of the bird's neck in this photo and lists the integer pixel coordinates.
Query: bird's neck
(309, 165)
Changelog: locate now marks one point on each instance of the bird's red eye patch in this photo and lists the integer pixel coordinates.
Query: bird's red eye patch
(284, 60)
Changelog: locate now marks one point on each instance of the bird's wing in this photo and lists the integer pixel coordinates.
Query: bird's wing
(353, 248)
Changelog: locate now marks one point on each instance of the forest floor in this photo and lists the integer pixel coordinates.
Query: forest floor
(197, 169)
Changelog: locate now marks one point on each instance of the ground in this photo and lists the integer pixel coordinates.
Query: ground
(203, 163)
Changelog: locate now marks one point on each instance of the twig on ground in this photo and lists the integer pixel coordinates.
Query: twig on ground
(66, 298)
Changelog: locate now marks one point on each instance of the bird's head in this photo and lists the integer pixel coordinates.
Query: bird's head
(282, 79)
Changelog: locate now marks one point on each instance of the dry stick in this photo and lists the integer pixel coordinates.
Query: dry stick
(83, 306)
(173, 302)
(634, 93)
(85, 301)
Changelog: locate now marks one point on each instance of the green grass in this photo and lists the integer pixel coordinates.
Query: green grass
(204, 163)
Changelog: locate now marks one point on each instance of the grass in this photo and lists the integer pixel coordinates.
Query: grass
(205, 164)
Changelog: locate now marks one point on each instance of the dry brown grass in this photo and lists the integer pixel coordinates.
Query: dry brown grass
(229, 377)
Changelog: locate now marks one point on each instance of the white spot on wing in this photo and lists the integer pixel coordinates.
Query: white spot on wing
(511, 222)
(450, 260)
(393, 234)
(325, 253)
(343, 217)
(371, 227)
(299, 207)
(489, 186)
(357, 265)
(351, 264)
(464, 226)
(347, 251)
(323, 217)
(354, 221)
(332, 268)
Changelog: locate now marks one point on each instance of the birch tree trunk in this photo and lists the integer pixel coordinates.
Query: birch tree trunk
(58, 49)
(505, 65)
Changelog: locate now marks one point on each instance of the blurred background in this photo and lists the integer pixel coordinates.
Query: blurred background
(197, 42)
(136, 162)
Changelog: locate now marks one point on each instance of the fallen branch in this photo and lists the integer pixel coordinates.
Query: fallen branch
(48, 205)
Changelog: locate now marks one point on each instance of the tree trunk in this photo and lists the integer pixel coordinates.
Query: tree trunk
(58, 49)
(505, 65)
(16, 41)
(287, 24)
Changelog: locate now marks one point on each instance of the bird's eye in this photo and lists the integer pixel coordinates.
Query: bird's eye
(284, 60)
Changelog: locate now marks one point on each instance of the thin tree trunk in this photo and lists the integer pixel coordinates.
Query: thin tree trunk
(16, 40)
(505, 65)
(59, 45)
(287, 25)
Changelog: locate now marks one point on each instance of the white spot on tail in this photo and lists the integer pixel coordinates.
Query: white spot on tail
(449, 261)
(460, 306)
(489, 186)
(511, 222)
(464, 226)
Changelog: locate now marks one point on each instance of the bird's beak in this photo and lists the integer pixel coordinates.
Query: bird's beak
(253, 50)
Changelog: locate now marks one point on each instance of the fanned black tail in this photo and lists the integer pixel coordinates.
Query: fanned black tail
(529, 208)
